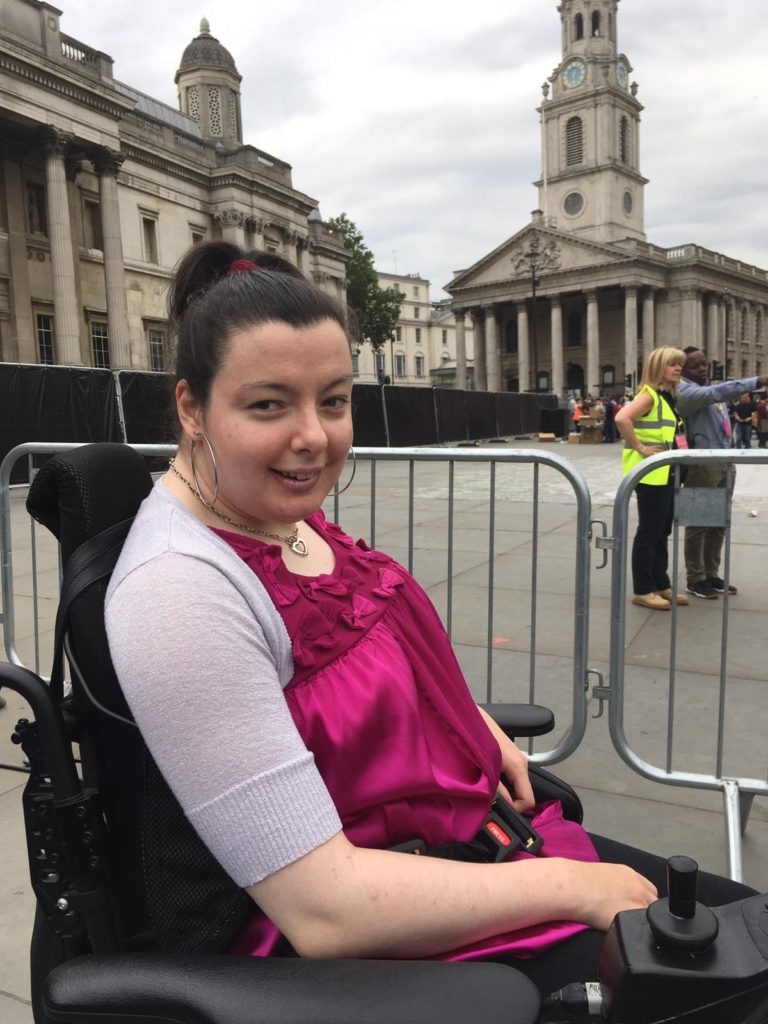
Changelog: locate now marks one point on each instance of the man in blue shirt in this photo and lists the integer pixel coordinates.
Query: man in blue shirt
(703, 407)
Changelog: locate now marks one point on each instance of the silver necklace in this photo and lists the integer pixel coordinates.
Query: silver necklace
(292, 540)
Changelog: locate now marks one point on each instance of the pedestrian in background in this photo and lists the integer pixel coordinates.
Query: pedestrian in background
(762, 421)
(704, 408)
(650, 424)
(743, 413)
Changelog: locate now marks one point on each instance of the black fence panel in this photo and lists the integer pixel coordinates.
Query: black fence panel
(410, 416)
(521, 413)
(61, 403)
(480, 414)
(368, 416)
(148, 407)
(464, 415)
(555, 421)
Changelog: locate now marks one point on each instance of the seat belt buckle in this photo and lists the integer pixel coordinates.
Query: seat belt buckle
(517, 825)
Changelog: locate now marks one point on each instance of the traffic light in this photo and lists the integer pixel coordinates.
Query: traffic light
(628, 381)
(717, 370)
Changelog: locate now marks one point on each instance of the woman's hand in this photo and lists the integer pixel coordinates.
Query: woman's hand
(607, 889)
(514, 768)
(647, 450)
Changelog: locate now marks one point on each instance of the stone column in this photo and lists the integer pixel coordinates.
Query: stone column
(22, 343)
(478, 332)
(232, 223)
(492, 354)
(67, 323)
(107, 166)
(592, 382)
(461, 350)
(649, 324)
(630, 329)
(556, 333)
(291, 253)
(714, 350)
(523, 348)
(255, 226)
(302, 245)
(688, 331)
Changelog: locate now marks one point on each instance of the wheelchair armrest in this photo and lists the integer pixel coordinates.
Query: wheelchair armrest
(521, 719)
(156, 988)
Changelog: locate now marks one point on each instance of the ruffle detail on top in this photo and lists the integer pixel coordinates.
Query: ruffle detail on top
(327, 614)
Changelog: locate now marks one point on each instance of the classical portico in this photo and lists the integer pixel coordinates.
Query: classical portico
(604, 296)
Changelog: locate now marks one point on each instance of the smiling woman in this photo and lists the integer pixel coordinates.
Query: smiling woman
(297, 689)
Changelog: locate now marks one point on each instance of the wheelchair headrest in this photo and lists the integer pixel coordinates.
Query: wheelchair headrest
(80, 493)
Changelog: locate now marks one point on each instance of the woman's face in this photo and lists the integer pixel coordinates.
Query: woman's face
(279, 420)
(672, 374)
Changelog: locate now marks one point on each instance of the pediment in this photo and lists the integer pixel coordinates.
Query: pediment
(560, 251)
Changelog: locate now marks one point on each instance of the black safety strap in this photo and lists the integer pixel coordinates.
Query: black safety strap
(93, 561)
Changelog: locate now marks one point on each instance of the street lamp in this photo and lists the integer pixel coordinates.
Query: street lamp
(533, 256)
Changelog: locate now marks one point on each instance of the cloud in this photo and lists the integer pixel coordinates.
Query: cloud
(418, 117)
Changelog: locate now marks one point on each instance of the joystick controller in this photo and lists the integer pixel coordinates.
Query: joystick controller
(679, 922)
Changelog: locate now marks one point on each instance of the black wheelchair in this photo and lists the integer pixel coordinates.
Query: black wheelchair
(134, 916)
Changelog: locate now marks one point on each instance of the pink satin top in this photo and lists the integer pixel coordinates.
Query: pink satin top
(378, 697)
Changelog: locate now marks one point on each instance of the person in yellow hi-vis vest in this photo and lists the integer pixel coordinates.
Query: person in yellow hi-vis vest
(650, 424)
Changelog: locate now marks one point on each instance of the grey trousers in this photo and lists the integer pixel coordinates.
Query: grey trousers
(704, 544)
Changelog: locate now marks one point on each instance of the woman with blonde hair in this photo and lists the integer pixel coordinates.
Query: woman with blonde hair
(650, 424)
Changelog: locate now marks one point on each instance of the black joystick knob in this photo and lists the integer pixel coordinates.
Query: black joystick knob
(679, 922)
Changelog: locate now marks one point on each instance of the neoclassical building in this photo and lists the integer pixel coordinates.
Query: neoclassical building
(578, 298)
(422, 351)
(102, 188)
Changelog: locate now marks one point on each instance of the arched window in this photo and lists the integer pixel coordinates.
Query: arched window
(624, 139)
(578, 27)
(595, 23)
(510, 337)
(574, 141)
(574, 330)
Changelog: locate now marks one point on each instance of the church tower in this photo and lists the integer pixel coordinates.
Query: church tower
(591, 183)
(209, 88)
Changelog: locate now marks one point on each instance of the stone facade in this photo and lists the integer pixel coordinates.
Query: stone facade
(423, 350)
(102, 189)
(578, 298)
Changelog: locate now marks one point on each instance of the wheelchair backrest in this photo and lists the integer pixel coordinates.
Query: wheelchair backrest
(168, 890)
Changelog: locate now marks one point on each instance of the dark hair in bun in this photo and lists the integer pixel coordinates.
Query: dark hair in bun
(210, 300)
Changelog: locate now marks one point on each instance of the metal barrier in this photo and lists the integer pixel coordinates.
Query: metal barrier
(389, 489)
(693, 507)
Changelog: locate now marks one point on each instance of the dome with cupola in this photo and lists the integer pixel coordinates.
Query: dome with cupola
(205, 51)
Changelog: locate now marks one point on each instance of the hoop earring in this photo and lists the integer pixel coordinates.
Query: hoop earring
(348, 484)
(198, 492)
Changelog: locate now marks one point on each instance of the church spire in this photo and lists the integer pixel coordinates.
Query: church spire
(591, 182)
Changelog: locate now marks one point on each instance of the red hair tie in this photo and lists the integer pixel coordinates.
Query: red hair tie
(240, 266)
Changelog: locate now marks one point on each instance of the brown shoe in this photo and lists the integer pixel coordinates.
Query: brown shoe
(654, 601)
(667, 595)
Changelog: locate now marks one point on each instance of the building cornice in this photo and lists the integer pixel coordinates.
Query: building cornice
(55, 80)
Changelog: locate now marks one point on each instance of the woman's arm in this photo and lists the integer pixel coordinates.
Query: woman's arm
(625, 424)
(514, 768)
(342, 901)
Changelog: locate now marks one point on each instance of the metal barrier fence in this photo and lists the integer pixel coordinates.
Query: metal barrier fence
(461, 486)
(694, 506)
(475, 527)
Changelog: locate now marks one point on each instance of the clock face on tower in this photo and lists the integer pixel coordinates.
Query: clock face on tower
(621, 74)
(574, 73)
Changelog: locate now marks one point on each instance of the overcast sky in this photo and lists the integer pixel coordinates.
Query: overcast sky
(418, 117)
